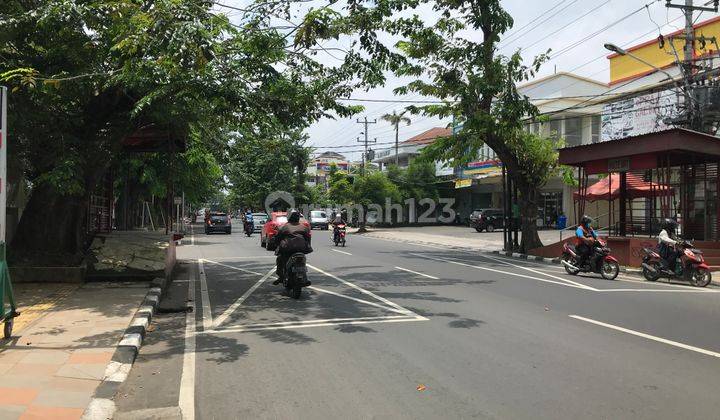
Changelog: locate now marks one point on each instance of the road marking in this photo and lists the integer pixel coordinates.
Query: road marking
(580, 285)
(648, 336)
(318, 324)
(308, 322)
(658, 290)
(419, 274)
(205, 296)
(222, 318)
(187, 379)
(234, 268)
(342, 252)
(367, 292)
(317, 289)
(500, 271)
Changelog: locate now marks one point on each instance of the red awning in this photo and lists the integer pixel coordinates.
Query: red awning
(609, 189)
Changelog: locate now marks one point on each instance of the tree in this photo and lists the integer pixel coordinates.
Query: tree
(374, 188)
(478, 87)
(84, 75)
(339, 187)
(395, 119)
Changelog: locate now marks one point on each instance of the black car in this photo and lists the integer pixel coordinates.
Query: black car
(218, 222)
(486, 219)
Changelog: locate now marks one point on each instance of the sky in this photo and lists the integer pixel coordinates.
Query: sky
(575, 30)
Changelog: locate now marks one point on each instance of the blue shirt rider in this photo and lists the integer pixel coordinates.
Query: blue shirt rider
(585, 237)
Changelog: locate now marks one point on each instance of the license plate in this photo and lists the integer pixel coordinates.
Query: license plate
(302, 269)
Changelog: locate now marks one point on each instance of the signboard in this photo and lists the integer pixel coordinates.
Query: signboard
(463, 183)
(3, 162)
(325, 166)
(619, 165)
(485, 167)
(640, 115)
(177, 200)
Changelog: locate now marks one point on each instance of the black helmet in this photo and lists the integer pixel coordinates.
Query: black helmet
(293, 216)
(586, 221)
(670, 224)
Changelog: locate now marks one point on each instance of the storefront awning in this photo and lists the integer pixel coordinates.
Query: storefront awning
(609, 189)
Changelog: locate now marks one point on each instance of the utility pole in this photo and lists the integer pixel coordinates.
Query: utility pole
(365, 122)
(687, 66)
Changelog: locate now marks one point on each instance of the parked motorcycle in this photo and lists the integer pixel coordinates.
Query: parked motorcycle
(296, 275)
(249, 228)
(600, 261)
(339, 235)
(690, 266)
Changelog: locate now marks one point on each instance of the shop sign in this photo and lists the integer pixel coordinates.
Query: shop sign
(463, 183)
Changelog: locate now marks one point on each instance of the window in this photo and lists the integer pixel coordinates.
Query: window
(555, 128)
(595, 136)
(573, 132)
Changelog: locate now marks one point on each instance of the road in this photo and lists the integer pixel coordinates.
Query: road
(396, 330)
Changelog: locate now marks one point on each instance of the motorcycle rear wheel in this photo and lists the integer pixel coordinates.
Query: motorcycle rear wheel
(609, 270)
(701, 278)
(569, 259)
(649, 275)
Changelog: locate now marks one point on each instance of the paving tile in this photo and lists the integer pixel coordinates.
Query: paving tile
(17, 396)
(86, 371)
(34, 369)
(4, 367)
(62, 398)
(12, 356)
(73, 384)
(24, 381)
(54, 413)
(56, 357)
(85, 358)
(11, 412)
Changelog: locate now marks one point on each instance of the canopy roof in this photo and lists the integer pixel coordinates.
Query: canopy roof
(609, 189)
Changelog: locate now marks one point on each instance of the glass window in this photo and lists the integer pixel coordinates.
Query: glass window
(555, 128)
(573, 132)
(595, 128)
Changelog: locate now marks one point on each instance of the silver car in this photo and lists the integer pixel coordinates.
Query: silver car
(318, 219)
(259, 219)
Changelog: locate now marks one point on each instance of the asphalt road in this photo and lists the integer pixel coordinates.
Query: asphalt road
(396, 330)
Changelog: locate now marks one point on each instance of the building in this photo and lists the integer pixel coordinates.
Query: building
(561, 95)
(320, 166)
(410, 148)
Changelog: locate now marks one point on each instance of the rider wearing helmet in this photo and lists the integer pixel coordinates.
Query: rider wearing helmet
(667, 242)
(585, 238)
(292, 237)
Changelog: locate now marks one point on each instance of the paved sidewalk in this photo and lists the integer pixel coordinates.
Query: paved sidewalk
(457, 236)
(61, 346)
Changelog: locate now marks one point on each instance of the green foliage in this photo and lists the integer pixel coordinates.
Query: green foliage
(419, 181)
(375, 188)
(339, 188)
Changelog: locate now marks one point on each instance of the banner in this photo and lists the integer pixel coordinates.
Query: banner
(640, 115)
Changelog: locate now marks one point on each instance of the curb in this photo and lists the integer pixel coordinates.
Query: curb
(102, 405)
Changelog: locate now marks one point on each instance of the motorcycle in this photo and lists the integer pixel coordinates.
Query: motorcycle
(339, 235)
(296, 275)
(690, 266)
(249, 228)
(600, 261)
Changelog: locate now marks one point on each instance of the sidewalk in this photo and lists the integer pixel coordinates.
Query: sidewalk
(455, 236)
(61, 345)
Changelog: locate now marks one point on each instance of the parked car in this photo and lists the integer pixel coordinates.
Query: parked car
(271, 227)
(486, 219)
(318, 219)
(218, 222)
(259, 220)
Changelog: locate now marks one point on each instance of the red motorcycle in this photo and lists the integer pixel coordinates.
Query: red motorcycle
(690, 266)
(339, 235)
(600, 261)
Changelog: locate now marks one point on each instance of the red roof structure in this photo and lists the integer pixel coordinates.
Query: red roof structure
(429, 136)
(609, 189)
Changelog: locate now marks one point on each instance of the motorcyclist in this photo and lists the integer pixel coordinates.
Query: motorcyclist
(667, 243)
(337, 220)
(248, 218)
(292, 237)
(585, 238)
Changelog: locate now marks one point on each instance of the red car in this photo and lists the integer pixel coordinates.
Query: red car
(271, 227)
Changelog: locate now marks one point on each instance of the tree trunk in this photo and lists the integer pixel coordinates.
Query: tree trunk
(528, 202)
(51, 231)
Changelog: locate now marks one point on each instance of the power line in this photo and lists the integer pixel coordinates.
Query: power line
(512, 34)
(509, 42)
(566, 25)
